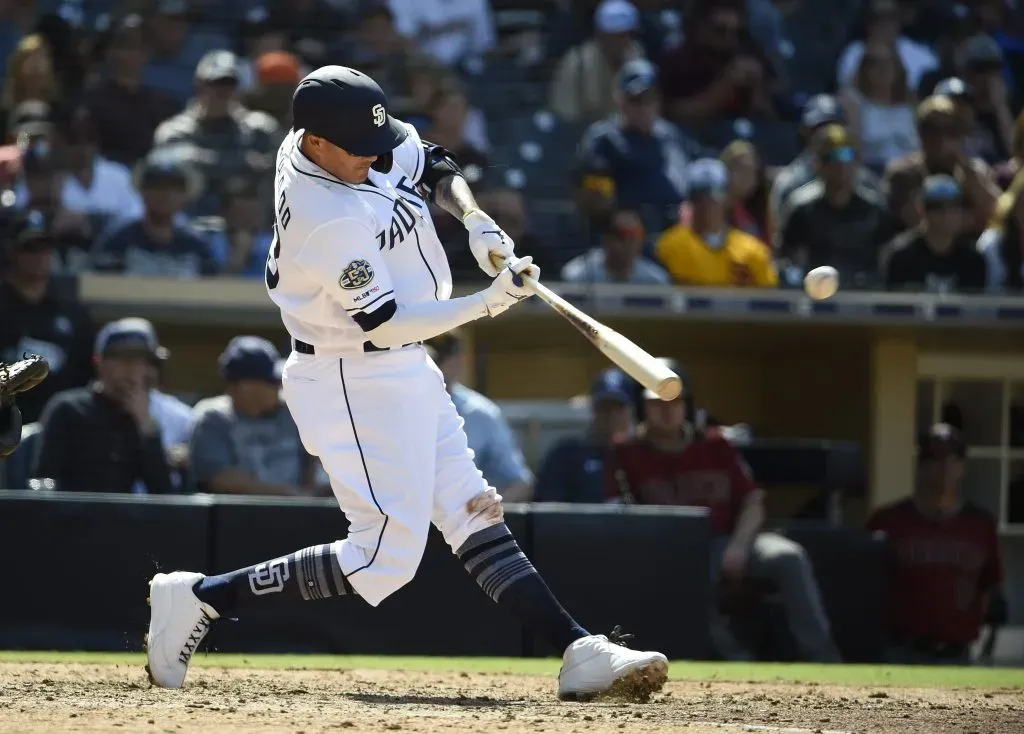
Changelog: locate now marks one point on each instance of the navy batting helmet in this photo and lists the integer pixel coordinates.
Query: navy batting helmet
(347, 108)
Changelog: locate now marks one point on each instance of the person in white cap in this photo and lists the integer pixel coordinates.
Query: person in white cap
(584, 82)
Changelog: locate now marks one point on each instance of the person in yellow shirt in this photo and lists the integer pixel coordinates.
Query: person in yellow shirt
(706, 250)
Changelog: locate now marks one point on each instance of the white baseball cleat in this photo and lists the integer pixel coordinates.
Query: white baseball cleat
(178, 622)
(596, 666)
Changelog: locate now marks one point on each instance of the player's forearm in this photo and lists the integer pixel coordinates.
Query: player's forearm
(453, 194)
(416, 322)
(750, 520)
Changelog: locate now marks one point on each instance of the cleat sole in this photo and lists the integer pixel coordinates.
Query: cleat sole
(636, 686)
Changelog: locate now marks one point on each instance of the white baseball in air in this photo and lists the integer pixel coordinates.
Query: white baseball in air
(822, 282)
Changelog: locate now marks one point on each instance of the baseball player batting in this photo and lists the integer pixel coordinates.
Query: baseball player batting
(361, 279)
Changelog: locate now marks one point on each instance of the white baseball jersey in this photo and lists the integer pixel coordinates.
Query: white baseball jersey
(342, 251)
(380, 422)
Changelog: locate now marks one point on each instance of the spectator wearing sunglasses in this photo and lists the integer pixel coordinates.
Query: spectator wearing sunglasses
(833, 220)
(939, 256)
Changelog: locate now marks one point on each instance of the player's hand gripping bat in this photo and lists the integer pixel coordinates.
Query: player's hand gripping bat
(633, 360)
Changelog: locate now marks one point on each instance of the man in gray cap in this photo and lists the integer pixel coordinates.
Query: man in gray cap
(217, 136)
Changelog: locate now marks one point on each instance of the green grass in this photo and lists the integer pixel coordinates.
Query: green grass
(851, 675)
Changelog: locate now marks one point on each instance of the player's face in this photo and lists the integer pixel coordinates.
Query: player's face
(123, 374)
(254, 397)
(665, 416)
(641, 111)
(164, 198)
(945, 217)
(624, 243)
(613, 419)
(33, 260)
(349, 168)
(742, 176)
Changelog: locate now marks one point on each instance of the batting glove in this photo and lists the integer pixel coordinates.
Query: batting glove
(487, 240)
(508, 288)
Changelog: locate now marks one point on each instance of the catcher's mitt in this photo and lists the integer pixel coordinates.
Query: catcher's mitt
(21, 376)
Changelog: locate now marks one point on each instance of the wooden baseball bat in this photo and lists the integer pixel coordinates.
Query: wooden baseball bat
(633, 360)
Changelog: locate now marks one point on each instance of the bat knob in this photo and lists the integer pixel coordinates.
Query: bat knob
(670, 388)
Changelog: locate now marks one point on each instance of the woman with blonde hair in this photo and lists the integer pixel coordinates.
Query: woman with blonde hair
(1002, 244)
(30, 76)
(880, 107)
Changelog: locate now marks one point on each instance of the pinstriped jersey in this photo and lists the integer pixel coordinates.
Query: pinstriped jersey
(344, 254)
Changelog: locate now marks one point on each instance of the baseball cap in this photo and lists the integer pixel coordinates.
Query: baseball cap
(613, 384)
(217, 66)
(707, 176)
(834, 144)
(250, 358)
(130, 335)
(637, 76)
(941, 440)
(616, 16)
(161, 167)
(941, 189)
(30, 226)
(953, 87)
(278, 67)
(822, 109)
(326, 94)
(979, 50)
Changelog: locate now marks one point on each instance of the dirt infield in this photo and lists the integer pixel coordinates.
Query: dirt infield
(118, 698)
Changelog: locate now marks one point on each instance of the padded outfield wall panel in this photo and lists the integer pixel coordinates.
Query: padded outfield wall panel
(851, 567)
(441, 612)
(78, 564)
(644, 568)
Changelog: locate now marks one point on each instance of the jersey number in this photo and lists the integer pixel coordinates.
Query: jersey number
(284, 216)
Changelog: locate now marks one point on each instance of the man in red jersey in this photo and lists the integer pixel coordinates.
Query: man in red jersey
(672, 463)
(945, 560)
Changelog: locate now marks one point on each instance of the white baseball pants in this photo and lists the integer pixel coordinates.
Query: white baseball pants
(394, 448)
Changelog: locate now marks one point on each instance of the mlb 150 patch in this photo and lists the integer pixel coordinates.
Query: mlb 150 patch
(355, 275)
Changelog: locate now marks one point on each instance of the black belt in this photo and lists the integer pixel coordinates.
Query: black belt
(368, 346)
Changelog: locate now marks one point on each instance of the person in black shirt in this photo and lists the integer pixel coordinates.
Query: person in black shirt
(102, 438)
(158, 244)
(573, 469)
(938, 256)
(35, 320)
(834, 220)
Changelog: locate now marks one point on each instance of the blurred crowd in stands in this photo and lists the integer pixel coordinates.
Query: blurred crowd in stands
(699, 142)
(725, 143)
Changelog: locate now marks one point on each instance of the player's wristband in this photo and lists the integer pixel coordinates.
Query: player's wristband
(471, 212)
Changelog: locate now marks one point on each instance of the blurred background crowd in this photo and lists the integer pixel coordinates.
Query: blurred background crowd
(608, 138)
